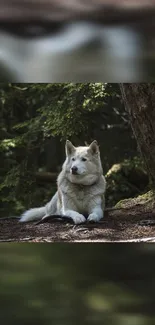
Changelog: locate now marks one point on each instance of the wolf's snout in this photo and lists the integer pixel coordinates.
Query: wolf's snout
(74, 170)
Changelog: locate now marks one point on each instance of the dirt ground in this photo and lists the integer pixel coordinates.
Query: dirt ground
(118, 225)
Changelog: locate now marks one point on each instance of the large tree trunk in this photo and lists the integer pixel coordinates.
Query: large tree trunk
(139, 101)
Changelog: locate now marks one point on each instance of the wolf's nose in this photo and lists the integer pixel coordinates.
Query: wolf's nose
(74, 170)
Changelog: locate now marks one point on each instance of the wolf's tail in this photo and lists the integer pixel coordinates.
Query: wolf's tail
(33, 214)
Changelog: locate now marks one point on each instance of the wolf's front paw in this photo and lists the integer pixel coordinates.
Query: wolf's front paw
(78, 218)
(93, 217)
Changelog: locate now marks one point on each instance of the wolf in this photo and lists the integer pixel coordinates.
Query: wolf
(80, 187)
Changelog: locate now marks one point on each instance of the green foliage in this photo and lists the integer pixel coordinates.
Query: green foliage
(67, 108)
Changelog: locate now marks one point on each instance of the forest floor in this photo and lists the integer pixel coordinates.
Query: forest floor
(129, 224)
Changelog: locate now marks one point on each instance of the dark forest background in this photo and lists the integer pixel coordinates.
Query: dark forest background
(36, 120)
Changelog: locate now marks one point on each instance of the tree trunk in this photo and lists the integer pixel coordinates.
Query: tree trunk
(139, 101)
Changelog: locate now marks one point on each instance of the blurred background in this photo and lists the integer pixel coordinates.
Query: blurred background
(35, 121)
(77, 41)
(77, 284)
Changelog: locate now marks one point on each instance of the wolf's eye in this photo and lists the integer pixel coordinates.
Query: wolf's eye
(83, 159)
(73, 159)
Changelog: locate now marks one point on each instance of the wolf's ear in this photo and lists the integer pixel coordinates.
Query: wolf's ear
(69, 148)
(94, 148)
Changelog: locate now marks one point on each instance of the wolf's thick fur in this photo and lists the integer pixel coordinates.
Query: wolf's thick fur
(80, 187)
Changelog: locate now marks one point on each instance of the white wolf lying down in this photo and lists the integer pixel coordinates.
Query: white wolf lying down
(81, 187)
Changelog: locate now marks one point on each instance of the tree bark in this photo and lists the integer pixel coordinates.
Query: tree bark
(139, 101)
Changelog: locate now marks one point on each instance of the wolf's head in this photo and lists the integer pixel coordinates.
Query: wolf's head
(82, 164)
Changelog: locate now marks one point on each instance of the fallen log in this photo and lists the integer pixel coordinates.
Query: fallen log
(45, 176)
